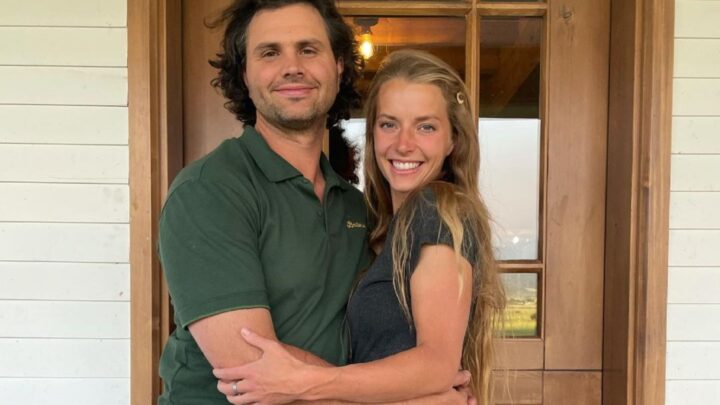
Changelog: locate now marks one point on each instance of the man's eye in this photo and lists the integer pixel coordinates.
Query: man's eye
(308, 51)
(269, 54)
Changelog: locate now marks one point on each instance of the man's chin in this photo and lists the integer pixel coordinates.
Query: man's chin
(299, 122)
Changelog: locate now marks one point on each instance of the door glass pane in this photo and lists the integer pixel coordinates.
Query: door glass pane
(443, 37)
(510, 131)
(521, 313)
(510, 67)
(510, 184)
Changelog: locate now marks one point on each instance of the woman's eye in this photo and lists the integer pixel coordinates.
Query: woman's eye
(387, 125)
(427, 128)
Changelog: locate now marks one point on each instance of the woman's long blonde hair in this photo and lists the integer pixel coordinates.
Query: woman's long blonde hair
(458, 202)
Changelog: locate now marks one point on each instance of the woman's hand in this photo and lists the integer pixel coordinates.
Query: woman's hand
(276, 378)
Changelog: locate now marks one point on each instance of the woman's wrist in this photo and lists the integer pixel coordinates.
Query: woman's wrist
(319, 383)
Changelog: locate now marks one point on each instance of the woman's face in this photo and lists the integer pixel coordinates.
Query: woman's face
(412, 135)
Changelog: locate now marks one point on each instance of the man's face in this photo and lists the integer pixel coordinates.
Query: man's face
(291, 72)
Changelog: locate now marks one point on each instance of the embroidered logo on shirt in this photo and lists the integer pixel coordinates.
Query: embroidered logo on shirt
(352, 225)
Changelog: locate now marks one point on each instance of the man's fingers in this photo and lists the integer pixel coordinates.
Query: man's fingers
(229, 374)
(462, 378)
(256, 340)
(226, 387)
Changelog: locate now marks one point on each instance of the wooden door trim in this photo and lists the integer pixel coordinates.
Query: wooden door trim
(639, 137)
(638, 190)
(155, 142)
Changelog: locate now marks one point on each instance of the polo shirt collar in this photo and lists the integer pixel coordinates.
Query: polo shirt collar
(331, 177)
(277, 169)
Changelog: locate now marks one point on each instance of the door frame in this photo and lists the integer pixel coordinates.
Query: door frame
(637, 209)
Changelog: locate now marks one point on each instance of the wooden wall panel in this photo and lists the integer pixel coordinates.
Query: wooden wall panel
(65, 281)
(572, 388)
(694, 210)
(88, 125)
(69, 319)
(697, 57)
(696, 96)
(206, 122)
(64, 163)
(697, 19)
(694, 292)
(694, 285)
(64, 358)
(693, 322)
(64, 327)
(89, 243)
(519, 388)
(79, 203)
(63, 46)
(75, 391)
(69, 13)
(695, 172)
(694, 248)
(696, 135)
(579, 42)
(520, 354)
(693, 361)
(684, 392)
(63, 85)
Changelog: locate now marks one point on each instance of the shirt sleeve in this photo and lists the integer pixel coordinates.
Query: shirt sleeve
(427, 228)
(208, 243)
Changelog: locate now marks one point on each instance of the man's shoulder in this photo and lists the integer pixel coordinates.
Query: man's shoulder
(227, 164)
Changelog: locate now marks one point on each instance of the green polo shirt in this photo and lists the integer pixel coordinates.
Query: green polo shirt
(242, 228)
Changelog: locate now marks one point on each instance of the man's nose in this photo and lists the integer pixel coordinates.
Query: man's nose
(293, 65)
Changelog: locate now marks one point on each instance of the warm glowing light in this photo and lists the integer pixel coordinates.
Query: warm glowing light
(366, 46)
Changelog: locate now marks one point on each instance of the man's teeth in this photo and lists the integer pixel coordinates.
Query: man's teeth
(405, 165)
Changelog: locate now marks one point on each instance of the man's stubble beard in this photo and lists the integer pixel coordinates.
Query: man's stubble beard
(277, 117)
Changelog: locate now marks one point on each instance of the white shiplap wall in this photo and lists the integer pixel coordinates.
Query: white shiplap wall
(693, 348)
(64, 203)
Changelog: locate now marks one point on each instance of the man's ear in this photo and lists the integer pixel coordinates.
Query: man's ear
(340, 69)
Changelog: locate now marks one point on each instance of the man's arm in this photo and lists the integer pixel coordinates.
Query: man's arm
(219, 338)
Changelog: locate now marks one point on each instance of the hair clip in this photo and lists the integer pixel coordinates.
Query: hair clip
(460, 98)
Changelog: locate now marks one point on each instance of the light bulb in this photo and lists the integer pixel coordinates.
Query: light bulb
(366, 46)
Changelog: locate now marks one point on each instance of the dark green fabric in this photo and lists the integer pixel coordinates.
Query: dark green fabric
(242, 228)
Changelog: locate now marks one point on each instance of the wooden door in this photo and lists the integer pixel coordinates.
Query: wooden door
(537, 63)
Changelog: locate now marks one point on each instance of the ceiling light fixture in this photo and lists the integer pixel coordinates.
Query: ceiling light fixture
(366, 48)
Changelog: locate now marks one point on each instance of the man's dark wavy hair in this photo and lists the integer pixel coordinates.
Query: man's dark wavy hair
(231, 62)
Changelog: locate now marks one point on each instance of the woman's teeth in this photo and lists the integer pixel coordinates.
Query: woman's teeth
(405, 165)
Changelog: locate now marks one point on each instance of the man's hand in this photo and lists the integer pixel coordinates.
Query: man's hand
(276, 378)
(462, 384)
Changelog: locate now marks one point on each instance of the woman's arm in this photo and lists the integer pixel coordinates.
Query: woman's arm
(441, 291)
(441, 288)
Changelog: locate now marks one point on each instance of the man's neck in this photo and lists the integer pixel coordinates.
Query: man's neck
(301, 149)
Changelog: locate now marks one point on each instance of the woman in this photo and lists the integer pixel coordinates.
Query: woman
(428, 304)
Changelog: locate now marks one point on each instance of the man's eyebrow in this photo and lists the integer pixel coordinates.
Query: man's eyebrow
(266, 45)
(305, 42)
(299, 44)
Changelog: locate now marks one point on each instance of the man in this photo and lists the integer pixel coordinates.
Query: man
(261, 233)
